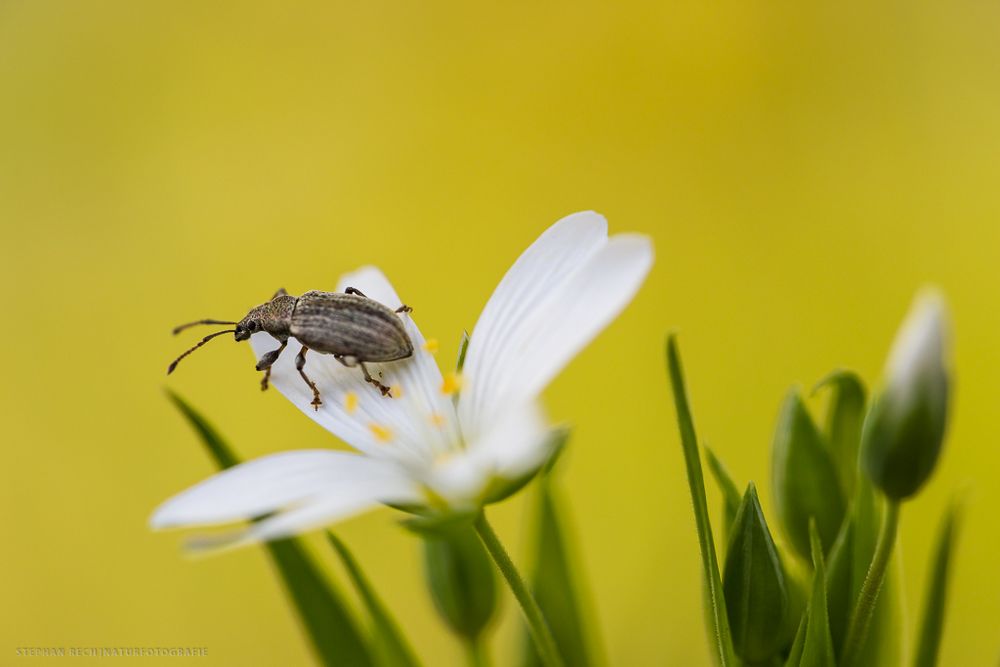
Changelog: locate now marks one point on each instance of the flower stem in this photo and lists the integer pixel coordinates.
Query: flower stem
(476, 652)
(861, 617)
(537, 626)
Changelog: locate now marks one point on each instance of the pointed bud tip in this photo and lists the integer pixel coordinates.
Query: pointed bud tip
(922, 339)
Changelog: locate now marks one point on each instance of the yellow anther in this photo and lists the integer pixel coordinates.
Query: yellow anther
(431, 345)
(437, 419)
(396, 391)
(350, 402)
(381, 433)
(452, 383)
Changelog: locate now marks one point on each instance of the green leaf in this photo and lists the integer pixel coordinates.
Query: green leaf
(553, 585)
(461, 579)
(721, 639)
(804, 478)
(839, 584)
(221, 454)
(936, 594)
(844, 419)
(463, 347)
(328, 622)
(795, 652)
(817, 648)
(754, 584)
(730, 493)
(391, 648)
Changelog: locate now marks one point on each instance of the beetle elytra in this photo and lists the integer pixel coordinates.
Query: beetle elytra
(348, 325)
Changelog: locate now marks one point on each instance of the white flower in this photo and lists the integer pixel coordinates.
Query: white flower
(422, 447)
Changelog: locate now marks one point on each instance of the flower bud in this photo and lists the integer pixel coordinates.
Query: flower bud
(754, 585)
(905, 428)
(804, 478)
(461, 579)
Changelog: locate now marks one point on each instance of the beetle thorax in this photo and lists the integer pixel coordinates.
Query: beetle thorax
(273, 317)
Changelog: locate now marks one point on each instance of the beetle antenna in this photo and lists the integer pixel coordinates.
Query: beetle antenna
(182, 327)
(171, 367)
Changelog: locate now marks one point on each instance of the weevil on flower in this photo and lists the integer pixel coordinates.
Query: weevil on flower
(349, 326)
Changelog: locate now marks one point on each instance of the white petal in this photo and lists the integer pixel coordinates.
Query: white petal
(922, 341)
(569, 285)
(415, 425)
(281, 481)
(318, 513)
(518, 443)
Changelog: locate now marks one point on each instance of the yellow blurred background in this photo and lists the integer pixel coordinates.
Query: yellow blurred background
(802, 167)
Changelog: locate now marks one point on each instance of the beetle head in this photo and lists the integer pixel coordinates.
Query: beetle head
(248, 326)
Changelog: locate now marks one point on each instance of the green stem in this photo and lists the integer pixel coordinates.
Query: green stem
(857, 632)
(537, 626)
(476, 652)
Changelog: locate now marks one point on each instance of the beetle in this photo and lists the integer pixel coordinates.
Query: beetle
(348, 325)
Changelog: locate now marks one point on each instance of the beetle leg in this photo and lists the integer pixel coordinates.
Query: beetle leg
(368, 378)
(265, 363)
(354, 290)
(351, 362)
(300, 363)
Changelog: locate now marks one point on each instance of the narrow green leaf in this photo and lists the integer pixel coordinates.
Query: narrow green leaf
(553, 585)
(817, 649)
(754, 585)
(839, 583)
(730, 493)
(722, 642)
(795, 652)
(935, 597)
(463, 347)
(804, 478)
(221, 454)
(391, 648)
(328, 622)
(845, 416)
(461, 579)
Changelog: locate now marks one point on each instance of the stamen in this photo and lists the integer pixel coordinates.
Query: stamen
(396, 391)
(381, 433)
(438, 420)
(452, 383)
(431, 345)
(350, 402)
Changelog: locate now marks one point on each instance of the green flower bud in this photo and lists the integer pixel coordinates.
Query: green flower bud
(461, 579)
(754, 585)
(804, 478)
(905, 428)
